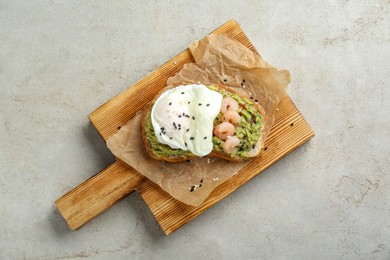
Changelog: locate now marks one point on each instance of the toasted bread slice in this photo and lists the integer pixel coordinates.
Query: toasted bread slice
(172, 155)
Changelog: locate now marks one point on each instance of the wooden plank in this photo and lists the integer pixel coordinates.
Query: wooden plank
(101, 191)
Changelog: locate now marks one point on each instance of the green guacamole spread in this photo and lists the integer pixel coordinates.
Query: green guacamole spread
(248, 130)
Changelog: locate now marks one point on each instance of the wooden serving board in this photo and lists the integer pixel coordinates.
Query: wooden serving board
(98, 193)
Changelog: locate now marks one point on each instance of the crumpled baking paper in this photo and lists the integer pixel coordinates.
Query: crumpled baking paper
(218, 59)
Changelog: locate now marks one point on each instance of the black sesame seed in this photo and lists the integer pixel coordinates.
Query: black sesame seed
(243, 80)
(184, 114)
(170, 138)
(160, 134)
(225, 80)
(188, 129)
(205, 138)
(227, 106)
(188, 102)
(187, 116)
(201, 181)
(170, 103)
(185, 144)
(242, 84)
(182, 93)
(179, 125)
(253, 146)
(200, 104)
(208, 105)
(179, 116)
(192, 138)
(251, 97)
(200, 185)
(256, 100)
(192, 188)
(193, 117)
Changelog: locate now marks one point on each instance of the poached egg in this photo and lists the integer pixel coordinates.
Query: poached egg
(182, 117)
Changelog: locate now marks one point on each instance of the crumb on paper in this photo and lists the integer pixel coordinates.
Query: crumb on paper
(194, 187)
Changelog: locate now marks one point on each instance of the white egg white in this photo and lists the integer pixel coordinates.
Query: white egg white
(183, 116)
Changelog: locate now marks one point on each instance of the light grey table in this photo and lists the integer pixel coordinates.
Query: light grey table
(330, 199)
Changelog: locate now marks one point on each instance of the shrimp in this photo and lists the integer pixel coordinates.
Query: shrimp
(231, 117)
(228, 104)
(224, 130)
(230, 144)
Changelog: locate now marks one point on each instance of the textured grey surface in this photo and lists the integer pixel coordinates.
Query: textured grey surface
(330, 199)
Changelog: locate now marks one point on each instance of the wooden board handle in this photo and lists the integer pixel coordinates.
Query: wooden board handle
(98, 193)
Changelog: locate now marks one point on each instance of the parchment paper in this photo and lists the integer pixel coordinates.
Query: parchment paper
(219, 59)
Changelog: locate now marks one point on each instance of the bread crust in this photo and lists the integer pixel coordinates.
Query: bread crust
(255, 152)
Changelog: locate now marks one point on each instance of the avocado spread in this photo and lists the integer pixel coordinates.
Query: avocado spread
(248, 130)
